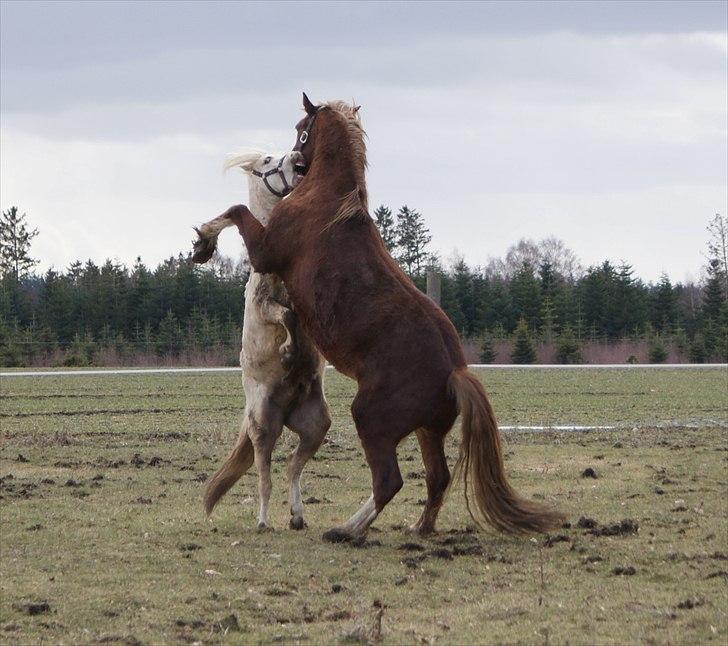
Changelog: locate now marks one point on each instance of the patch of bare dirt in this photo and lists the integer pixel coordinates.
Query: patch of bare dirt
(33, 607)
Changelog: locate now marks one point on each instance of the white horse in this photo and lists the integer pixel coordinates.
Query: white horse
(282, 369)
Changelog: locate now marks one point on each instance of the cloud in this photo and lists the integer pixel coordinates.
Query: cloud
(493, 135)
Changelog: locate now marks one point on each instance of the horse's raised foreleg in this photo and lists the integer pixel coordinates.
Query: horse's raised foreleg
(310, 420)
(253, 233)
(207, 235)
(437, 476)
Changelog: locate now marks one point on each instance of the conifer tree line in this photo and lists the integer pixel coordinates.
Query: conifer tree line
(535, 304)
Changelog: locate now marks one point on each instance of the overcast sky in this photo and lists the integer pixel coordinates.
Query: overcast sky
(603, 124)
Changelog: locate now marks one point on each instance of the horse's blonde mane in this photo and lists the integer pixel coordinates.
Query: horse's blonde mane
(243, 158)
(357, 200)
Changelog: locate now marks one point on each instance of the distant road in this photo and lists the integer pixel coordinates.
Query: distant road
(488, 366)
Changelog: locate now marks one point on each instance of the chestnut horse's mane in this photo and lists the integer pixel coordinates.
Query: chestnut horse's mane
(357, 200)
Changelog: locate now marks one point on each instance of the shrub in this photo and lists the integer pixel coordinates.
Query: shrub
(568, 349)
(11, 355)
(698, 353)
(657, 352)
(680, 340)
(77, 355)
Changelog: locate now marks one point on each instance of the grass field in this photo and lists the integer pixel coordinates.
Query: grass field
(104, 541)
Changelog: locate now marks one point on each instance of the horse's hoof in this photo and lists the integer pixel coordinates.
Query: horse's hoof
(336, 535)
(297, 522)
(203, 249)
(262, 527)
(416, 530)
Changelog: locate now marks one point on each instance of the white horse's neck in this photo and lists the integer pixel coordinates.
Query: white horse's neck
(261, 201)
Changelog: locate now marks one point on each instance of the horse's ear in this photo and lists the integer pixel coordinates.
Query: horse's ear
(308, 106)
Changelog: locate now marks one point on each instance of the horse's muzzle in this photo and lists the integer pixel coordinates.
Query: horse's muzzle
(299, 163)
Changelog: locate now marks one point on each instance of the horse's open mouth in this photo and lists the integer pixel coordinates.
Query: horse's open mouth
(300, 169)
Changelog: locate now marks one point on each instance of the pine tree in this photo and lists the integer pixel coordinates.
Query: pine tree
(462, 279)
(697, 350)
(722, 341)
(487, 351)
(385, 223)
(412, 240)
(680, 339)
(664, 305)
(526, 295)
(713, 295)
(547, 319)
(169, 337)
(547, 277)
(78, 353)
(630, 310)
(657, 353)
(15, 239)
(523, 351)
(710, 337)
(11, 354)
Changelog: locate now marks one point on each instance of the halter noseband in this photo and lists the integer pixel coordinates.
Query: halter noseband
(278, 170)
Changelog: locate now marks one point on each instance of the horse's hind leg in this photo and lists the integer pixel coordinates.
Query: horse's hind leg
(310, 420)
(380, 431)
(265, 427)
(437, 476)
(386, 482)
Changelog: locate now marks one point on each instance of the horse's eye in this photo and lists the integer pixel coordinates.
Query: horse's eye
(266, 160)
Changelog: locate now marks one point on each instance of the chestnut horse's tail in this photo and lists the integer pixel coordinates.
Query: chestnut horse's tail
(234, 467)
(480, 465)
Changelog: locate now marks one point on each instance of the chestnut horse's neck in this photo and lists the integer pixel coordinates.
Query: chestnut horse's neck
(339, 159)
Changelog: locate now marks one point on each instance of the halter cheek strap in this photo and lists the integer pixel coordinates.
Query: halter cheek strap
(303, 137)
(278, 170)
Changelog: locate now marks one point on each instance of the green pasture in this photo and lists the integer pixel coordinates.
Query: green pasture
(103, 539)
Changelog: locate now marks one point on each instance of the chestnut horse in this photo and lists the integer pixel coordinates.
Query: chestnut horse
(373, 324)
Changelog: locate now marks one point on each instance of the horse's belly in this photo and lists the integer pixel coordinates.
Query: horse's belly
(260, 357)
